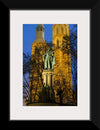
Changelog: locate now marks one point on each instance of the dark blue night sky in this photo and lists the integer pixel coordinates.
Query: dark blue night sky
(29, 35)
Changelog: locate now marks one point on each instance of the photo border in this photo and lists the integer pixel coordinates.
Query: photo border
(79, 112)
(94, 6)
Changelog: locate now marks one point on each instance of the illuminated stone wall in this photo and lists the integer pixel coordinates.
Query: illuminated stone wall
(62, 76)
(38, 49)
(62, 67)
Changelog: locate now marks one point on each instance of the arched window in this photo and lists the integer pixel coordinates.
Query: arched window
(57, 31)
(57, 43)
(61, 30)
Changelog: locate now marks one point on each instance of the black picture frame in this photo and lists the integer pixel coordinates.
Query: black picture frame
(94, 7)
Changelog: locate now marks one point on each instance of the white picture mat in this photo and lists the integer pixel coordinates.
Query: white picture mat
(20, 112)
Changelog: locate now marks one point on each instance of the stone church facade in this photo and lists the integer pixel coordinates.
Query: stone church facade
(60, 75)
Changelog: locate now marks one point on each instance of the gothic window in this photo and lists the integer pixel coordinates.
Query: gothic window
(61, 30)
(57, 43)
(57, 31)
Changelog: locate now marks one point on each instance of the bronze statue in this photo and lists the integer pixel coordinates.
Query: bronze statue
(49, 59)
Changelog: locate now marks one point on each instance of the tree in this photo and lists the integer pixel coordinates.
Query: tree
(26, 63)
(60, 94)
(70, 47)
(26, 75)
(32, 64)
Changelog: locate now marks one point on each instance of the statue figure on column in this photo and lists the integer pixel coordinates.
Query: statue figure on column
(48, 59)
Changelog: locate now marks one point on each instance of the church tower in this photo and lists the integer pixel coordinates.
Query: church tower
(39, 47)
(39, 33)
(61, 73)
(62, 67)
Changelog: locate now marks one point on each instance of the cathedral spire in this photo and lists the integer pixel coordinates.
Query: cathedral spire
(40, 25)
(40, 33)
